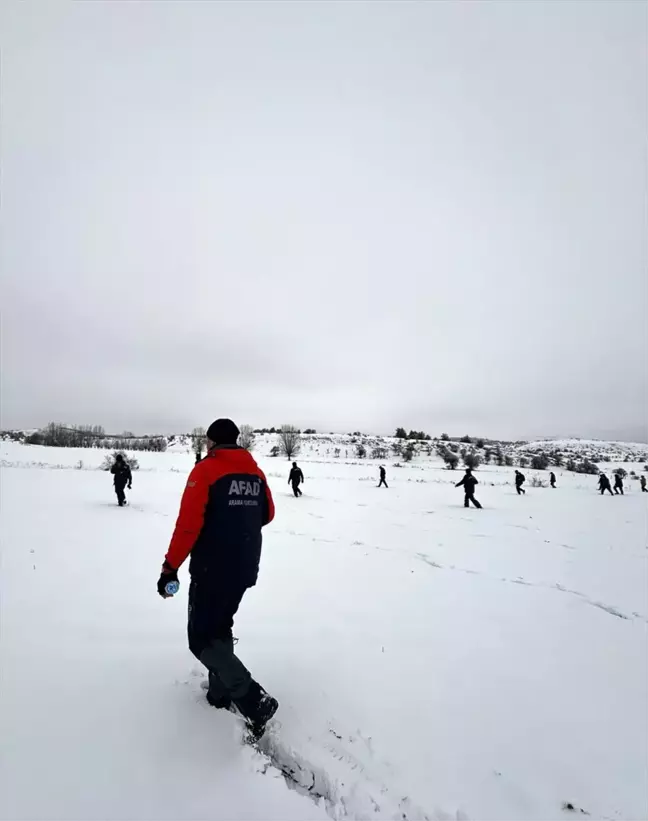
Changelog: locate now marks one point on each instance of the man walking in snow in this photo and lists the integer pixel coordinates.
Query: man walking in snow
(642, 482)
(552, 479)
(295, 479)
(469, 483)
(383, 477)
(520, 479)
(604, 484)
(122, 476)
(225, 504)
(618, 484)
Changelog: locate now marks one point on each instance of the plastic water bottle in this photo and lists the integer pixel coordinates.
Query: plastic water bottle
(171, 588)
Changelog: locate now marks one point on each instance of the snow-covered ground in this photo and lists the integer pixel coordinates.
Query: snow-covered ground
(430, 661)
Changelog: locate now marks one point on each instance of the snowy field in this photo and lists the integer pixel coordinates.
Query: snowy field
(431, 662)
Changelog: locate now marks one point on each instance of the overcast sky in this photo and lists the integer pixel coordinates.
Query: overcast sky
(345, 215)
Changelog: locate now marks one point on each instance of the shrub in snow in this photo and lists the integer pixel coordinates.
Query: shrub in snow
(408, 453)
(523, 461)
(361, 451)
(451, 460)
(508, 461)
(466, 439)
(536, 481)
(472, 460)
(621, 472)
(274, 450)
(109, 460)
(479, 443)
(540, 461)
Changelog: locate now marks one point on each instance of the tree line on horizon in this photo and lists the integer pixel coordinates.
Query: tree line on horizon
(472, 451)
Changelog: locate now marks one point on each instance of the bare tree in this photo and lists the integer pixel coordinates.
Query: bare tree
(246, 437)
(289, 440)
(198, 441)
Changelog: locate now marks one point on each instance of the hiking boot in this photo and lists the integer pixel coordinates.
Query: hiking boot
(257, 708)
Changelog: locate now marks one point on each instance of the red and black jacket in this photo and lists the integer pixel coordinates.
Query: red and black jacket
(225, 504)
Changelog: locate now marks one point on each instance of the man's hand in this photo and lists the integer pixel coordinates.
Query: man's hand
(167, 575)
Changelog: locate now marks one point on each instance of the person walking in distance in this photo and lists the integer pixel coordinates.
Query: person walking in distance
(122, 476)
(552, 479)
(604, 484)
(225, 505)
(383, 477)
(642, 482)
(295, 479)
(469, 483)
(520, 479)
(618, 484)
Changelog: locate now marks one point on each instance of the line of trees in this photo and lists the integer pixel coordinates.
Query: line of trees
(418, 435)
(308, 431)
(56, 435)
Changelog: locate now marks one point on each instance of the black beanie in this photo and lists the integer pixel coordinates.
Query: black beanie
(223, 432)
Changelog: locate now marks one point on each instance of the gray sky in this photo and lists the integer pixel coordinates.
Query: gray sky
(349, 215)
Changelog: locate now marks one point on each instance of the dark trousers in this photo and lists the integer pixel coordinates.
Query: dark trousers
(618, 489)
(119, 490)
(520, 490)
(296, 490)
(470, 497)
(382, 482)
(609, 490)
(644, 489)
(553, 484)
(211, 618)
